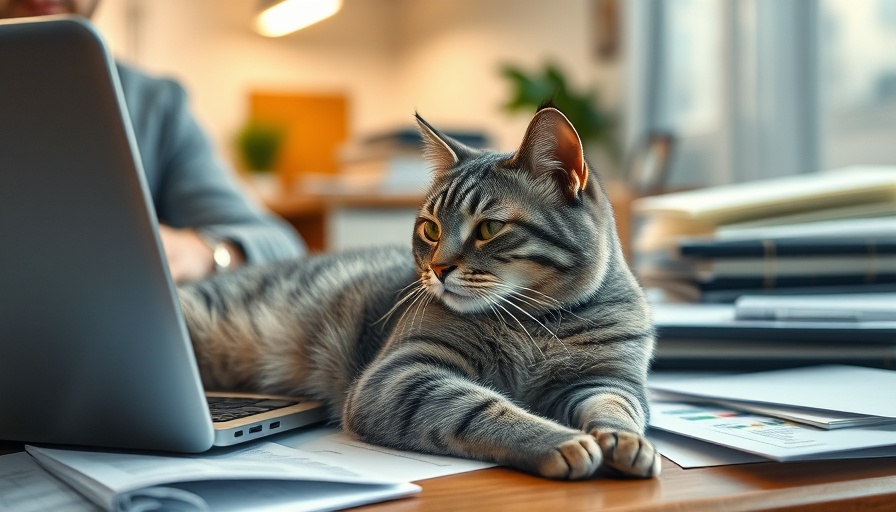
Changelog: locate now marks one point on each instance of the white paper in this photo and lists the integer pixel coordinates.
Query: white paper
(27, 487)
(769, 437)
(338, 448)
(851, 389)
(690, 453)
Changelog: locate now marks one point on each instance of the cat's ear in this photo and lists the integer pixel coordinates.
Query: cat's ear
(441, 151)
(551, 147)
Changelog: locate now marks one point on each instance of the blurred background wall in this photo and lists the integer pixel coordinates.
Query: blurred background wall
(390, 57)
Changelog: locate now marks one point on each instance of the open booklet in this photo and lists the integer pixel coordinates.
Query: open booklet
(265, 476)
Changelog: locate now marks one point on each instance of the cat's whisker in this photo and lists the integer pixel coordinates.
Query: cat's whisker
(531, 317)
(495, 311)
(414, 283)
(567, 310)
(515, 290)
(523, 327)
(419, 294)
(552, 333)
(546, 296)
(559, 320)
(425, 303)
(532, 301)
(523, 311)
(552, 314)
(408, 296)
(550, 307)
(559, 305)
(491, 306)
(420, 288)
(417, 305)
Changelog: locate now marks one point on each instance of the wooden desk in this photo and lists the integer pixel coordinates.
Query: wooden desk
(861, 485)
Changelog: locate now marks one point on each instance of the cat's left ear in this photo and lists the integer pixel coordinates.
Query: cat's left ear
(441, 151)
(552, 148)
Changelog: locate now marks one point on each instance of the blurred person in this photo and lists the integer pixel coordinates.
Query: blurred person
(206, 223)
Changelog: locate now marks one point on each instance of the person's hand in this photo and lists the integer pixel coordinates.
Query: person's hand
(189, 256)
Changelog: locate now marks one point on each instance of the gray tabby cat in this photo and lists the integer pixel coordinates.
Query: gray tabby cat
(512, 332)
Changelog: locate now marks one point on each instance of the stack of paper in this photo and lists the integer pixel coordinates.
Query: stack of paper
(820, 412)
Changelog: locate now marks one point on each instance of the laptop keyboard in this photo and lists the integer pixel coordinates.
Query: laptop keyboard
(233, 408)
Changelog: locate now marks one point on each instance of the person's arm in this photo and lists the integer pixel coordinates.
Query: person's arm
(194, 193)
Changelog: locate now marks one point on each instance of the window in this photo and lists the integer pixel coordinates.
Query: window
(858, 63)
(760, 88)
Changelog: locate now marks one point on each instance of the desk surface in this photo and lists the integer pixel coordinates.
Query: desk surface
(861, 485)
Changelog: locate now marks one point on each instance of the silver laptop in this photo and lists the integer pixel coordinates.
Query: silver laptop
(93, 347)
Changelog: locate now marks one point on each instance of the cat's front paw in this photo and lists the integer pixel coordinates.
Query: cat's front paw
(627, 453)
(574, 459)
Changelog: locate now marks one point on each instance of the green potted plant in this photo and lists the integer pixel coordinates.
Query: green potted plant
(259, 144)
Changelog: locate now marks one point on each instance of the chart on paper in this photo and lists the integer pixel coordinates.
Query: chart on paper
(763, 435)
(777, 432)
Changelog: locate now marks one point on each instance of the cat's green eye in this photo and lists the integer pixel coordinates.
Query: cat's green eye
(431, 231)
(487, 229)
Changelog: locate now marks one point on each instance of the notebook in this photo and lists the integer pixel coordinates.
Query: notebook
(93, 346)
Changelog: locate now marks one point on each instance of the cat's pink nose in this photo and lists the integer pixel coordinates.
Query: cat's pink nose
(442, 271)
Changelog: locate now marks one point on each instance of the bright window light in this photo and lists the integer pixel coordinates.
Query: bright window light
(291, 15)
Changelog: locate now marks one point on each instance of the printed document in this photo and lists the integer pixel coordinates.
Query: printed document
(771, 437)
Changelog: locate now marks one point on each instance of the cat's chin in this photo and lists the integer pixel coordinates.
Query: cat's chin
(460, 303)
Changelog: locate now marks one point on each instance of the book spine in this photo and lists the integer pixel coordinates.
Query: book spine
(785, 247)
(780, 282)
(795, 266)
(728, 296)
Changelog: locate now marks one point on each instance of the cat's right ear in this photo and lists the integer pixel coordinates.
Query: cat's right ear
(551, 147)
(442, 152)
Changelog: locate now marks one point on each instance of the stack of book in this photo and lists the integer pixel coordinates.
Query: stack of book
(762, 332)
(830, 232)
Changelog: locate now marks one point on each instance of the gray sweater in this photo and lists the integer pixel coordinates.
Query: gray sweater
(189, 184)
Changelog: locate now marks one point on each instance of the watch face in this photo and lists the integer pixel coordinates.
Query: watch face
(222, 257)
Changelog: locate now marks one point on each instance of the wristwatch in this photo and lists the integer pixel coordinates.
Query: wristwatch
(220, 253)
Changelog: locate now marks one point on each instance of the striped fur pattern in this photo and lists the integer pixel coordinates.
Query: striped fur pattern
(512, 332)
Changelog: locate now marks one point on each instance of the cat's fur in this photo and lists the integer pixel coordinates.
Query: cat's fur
(533, 353)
